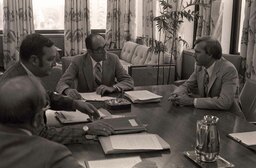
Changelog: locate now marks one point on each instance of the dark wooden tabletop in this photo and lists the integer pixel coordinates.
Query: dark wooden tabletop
(177, 126)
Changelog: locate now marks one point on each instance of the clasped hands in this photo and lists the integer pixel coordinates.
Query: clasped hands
(181, 99)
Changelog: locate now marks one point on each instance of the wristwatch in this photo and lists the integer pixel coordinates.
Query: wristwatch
(85, 128)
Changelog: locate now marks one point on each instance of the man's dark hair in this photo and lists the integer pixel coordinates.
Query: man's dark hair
(33, 44)
(21, 98)
(88, 40)
(212, 46)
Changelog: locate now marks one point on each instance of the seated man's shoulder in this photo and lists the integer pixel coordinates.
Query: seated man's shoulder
(228, 66)
(112, 55)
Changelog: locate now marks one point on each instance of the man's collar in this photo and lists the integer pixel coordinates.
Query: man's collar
(210, 68)
(94, 62)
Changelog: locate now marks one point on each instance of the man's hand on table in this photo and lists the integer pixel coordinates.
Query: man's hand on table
(73, 93)
(99, 128)
(102, 89)
(87, 108)
(181, 99)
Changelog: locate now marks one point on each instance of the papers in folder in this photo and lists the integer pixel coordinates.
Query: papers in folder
(68, 117)
(142, 96)
(246, 138)
(126, 143)
(125, 124)
(127, 162)
(93, 96)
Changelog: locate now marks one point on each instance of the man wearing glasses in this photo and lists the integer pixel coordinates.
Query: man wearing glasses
(97, 70)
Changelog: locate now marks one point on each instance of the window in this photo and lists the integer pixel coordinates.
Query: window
(49, 14)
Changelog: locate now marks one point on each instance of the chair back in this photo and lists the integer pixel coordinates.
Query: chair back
(247, 98)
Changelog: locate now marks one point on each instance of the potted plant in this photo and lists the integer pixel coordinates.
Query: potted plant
(169, 22)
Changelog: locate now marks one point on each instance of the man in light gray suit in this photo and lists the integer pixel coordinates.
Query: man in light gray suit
(97, 70)
(214, 81)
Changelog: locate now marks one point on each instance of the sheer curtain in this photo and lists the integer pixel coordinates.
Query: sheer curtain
(18, 22)
(77, 26)
(248, 42)
(120, 22)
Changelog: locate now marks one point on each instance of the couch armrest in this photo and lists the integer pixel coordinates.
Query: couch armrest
(147, 74)
(115, 51)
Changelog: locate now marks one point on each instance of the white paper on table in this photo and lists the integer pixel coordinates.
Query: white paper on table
(93, 96)
(127, 162)
(142, 95)
(135, 141)
(248, 138)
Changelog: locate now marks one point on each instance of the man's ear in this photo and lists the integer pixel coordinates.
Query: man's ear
(34, 60)
(37, 120)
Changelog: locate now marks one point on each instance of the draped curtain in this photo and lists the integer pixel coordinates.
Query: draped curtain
(210, 22)
(148, 25)
(248, 41)
(120, 22)
(18, 22)
(77, 26)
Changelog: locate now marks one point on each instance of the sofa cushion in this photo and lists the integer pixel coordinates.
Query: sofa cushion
(127, 51)
(152, 58)
(140, 55)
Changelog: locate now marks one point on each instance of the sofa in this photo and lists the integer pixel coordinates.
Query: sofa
(141, 64)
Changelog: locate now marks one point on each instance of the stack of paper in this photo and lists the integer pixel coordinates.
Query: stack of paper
(246, 138)
(142, 96)
(93, 96)
(126, 143)
(127, 162)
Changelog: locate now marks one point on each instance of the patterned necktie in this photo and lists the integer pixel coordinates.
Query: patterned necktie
(98, 73)
(206, 82)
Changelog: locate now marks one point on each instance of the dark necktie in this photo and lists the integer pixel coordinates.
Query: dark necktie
(206, 82)
(98, 73)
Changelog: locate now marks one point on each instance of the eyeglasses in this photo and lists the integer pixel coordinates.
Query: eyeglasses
(100, 49)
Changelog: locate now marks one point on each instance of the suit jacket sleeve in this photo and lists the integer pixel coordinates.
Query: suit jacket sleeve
(227, 94)
(61, 157)
(68, 78)
(190, 85)
(124, 80)
(63, 135)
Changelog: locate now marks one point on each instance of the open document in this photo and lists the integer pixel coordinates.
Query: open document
(142, 96)
(246, 138)
(127, 162)
(93, 96)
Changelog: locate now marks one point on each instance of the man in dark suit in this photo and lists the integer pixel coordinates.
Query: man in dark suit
(23, 102)
(97, 70)
(37, 54)
(214, 81)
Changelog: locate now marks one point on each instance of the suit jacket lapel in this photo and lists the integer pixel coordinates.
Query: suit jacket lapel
(214, 75)
(88, 72)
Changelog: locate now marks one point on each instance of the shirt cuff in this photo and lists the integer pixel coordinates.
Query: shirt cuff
(195, 102)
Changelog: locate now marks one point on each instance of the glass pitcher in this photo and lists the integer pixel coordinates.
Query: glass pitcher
(207, 139)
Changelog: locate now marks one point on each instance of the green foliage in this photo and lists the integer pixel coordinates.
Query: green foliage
(171, 18)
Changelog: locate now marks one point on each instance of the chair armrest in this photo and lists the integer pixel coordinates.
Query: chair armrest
(179, 82)
(152, 74)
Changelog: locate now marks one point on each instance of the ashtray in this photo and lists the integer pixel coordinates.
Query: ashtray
(219, 163)
(118, 103)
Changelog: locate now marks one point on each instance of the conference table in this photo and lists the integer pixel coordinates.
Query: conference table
(177, 126)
